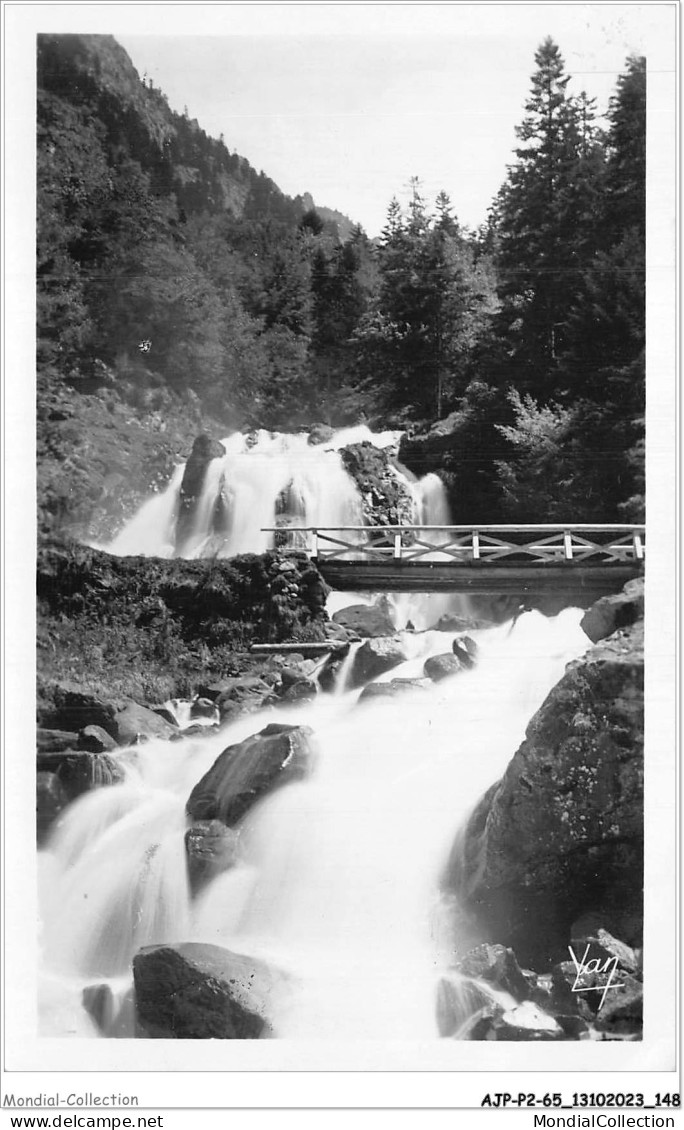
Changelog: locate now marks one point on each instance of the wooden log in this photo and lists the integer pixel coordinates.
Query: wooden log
(317, 648)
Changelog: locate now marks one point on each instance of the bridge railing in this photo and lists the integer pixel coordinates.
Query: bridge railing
(543, 544)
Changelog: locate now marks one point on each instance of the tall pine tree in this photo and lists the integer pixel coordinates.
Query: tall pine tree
(537, 217)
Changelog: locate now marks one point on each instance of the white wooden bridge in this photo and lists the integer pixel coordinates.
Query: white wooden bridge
(555, 558)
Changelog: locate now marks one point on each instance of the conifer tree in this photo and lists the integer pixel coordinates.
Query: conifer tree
(537, 216)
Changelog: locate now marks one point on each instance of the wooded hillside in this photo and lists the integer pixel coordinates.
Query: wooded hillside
(178, 288)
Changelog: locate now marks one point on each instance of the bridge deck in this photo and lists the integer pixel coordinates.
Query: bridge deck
(580, 581)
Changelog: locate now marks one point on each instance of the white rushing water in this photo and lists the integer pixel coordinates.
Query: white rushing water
(338, 877)
(265, 477)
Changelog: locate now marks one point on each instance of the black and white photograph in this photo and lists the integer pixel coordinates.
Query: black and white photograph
(341, 546)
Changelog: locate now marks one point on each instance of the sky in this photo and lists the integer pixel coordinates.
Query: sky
(349, 109)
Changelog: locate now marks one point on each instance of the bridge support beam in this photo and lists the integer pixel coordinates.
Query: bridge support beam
(583, 582)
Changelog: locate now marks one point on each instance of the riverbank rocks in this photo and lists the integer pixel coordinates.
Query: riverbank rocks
(72, 708)
(297, 690)
(203, 708)
(375, 657)
(211, 848)
(79, 771)
(487, 996)
(246, 772)
(561, 835)
(134, 722)
(241, 694)
(193, 991)
(497, 966)
(386, 499)
(335, 631)
(589, 933)
(610, 613)
(95, 740)
(365, 620)
(52, 741)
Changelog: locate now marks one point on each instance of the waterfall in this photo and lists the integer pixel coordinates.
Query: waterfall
(264, 480)
(337, 881)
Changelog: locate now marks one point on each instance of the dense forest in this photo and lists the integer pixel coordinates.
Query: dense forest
(177, 285)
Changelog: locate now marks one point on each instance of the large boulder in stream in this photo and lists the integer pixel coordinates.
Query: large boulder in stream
(204, 450)
(366, 620)
(375, 657)
(610, 613)
(320, 433)
(561, 835)
(439, 667)
(246, 772)
(392, 689)
(194, 991)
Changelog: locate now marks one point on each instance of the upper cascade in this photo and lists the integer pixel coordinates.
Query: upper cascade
(265, 480)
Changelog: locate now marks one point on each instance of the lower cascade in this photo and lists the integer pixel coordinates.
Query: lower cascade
(335, 880)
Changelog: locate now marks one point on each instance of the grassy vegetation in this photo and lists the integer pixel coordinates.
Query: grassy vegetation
(151, 629)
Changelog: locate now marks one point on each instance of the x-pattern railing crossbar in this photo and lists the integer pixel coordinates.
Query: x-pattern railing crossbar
(418, 547)
(475, 543)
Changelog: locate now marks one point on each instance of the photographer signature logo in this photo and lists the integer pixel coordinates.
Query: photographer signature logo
(594, 966)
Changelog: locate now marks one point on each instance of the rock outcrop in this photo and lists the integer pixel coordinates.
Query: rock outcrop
(562, 833)
(246, 772)
(194, 991)
(386, 499)
(204, 450)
